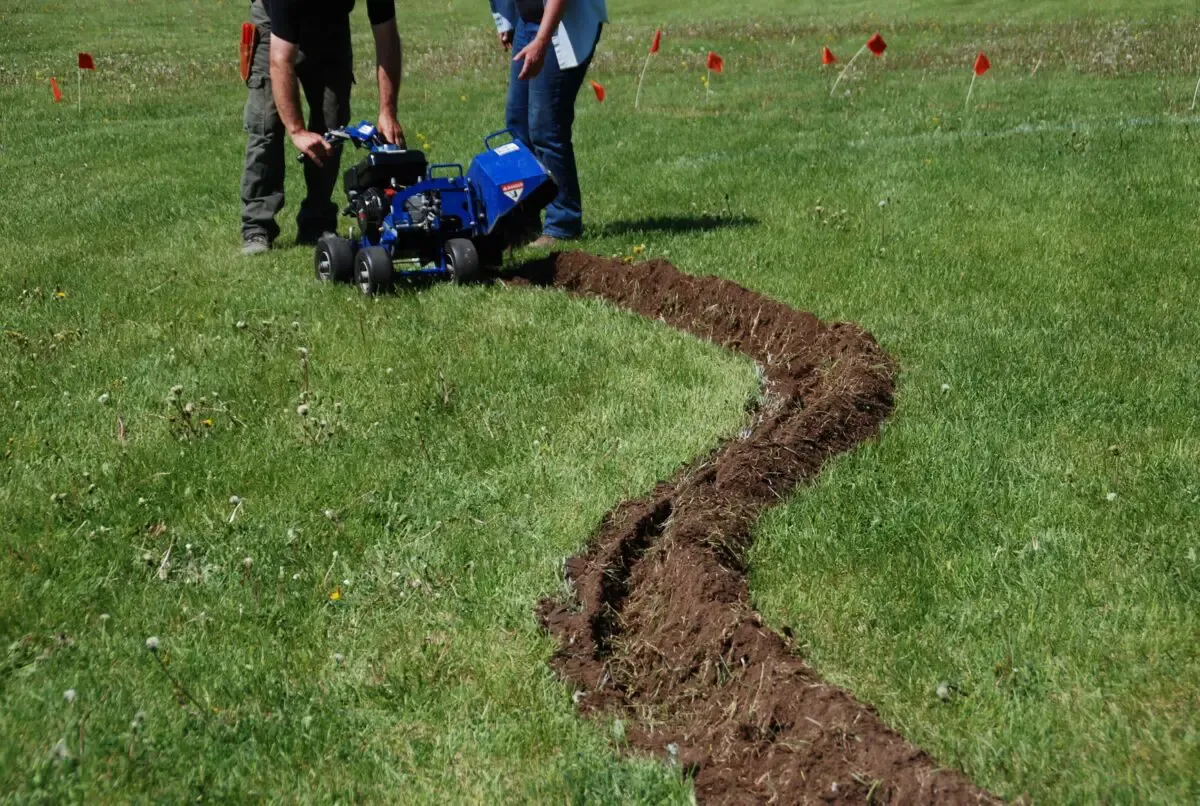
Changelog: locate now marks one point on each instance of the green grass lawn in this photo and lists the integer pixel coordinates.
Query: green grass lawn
(360, 627)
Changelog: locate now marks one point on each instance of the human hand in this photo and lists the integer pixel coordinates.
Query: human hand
(534, 55)
(390, 129)
(312, 145)
(506, 39)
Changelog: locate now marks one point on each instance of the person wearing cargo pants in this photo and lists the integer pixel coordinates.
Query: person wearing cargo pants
(305, 45)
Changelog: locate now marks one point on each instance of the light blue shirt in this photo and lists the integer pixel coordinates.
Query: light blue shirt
(577, 31)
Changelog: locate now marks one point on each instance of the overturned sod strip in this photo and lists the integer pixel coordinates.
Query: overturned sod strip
(660, 631)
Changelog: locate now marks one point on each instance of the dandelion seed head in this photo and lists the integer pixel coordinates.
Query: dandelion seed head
(1111, 497)
(295, 577)
(104, 617)
(69, 695)
(141, 502)
(60, 752)
(302, 409)
(339, 658)
(329, 513)
(234, 500)
(303, 352)
(241, 324)
(943, 691)
(945, 388)
(176, 390)
(152, 643)
(103, 399)
(248, 563)
(189, 407)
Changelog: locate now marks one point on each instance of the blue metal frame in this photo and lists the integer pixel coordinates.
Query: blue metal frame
(478, 198)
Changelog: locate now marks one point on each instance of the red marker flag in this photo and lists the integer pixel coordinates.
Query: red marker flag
(598, 88)
(876, 45)
(827, 56)
(982, 64)
(54, 89)
(654, 46)
(715, 62)
(657, 43)
(246, 49)
(86, 62)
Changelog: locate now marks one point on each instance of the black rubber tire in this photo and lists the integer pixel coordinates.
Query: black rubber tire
(333, 260)
(373, 270)
(462, 258)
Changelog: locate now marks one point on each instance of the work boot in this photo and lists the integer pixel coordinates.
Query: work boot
(255, 244)
(545, 242)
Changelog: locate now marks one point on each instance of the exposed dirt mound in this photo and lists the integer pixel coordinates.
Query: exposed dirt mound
(661, 631)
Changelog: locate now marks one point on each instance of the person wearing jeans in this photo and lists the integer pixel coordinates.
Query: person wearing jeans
(554, 43)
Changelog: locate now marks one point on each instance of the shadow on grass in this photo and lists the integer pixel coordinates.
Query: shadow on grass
(677, 225)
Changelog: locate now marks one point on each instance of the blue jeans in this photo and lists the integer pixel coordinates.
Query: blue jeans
(540, 113)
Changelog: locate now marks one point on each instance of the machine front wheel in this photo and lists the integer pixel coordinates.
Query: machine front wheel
(373, 270)
(334, 260)
(462, 258)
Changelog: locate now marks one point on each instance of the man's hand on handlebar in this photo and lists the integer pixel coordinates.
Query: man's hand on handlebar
(312, 145)
(390, 129)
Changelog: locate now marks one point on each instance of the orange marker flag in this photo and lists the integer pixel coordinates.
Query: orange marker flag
(827, 56)
(982, 65)
(875, 44)
(715, 63)
(654, 46)
(598, 88)
(86, 62)
(54, 89)
(246, 49)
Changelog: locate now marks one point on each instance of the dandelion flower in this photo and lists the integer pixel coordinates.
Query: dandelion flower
(335, 595)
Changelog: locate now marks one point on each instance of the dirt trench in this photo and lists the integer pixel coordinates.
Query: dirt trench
(661, 631)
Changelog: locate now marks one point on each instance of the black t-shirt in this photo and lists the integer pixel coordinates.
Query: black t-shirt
(315, 21)
(530, 10)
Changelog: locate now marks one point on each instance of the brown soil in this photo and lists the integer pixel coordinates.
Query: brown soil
(661, 631)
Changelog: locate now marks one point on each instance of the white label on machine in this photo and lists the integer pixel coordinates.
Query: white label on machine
(513, 190)
(507, 148)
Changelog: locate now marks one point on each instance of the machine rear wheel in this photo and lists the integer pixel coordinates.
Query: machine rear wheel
(334, 260)
(462, 258)
(373, 270)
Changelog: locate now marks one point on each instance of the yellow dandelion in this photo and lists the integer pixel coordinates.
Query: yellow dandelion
(335, 595)
(637, 250)
(207, 422)
(60, 294)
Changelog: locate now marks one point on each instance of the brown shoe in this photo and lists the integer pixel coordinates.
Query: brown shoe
(545, 242)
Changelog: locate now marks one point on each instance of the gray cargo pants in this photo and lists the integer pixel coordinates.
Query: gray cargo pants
(325, 75)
